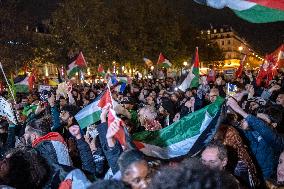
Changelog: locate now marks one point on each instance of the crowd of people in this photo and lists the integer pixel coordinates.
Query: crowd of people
(48, 149)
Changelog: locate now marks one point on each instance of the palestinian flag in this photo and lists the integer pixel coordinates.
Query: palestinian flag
(240, 68)
(21, 84)
(184, 137)
(255, 11)
(29, 109)
(101, 70)
(76, 65)
(278, 56)
(195, 70)
(91, 113)
(192, 79)
(121, 134)
(162, 61)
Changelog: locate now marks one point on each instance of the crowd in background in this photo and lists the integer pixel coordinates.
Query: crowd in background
(48, 149)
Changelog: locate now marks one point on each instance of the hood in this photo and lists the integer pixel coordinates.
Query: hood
(52, 136)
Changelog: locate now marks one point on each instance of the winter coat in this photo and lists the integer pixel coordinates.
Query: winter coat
(65, 177)
(53, 148)
(86, 156)
(271, 137)
(55, 118)
(112, 154)
(260, 148)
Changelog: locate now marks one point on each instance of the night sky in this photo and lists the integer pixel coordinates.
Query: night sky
(264, 38)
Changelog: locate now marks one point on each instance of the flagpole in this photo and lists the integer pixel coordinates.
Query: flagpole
(12, 94)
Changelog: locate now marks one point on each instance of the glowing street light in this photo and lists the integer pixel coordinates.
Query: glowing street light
(185, 63)
(241, 48)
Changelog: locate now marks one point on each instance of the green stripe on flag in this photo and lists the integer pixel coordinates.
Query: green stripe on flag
(73, 71)
(166, 65)
(195, 80)
(187, 127)
(21, 88)
(260, 14)
(89, 119)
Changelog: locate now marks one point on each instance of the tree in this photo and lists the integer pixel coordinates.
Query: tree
(124, 31)
(19, 21)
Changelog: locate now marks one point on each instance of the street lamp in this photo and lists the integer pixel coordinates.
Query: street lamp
(241, 48)
(185, 63)
(152, 68)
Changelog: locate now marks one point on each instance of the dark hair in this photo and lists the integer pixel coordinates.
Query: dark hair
(62, 98)
(109, 184)
(71, 109)
(274, 113)
(192, 174)
(129, 157)
(27, 169)
(40, 126)
(221, 149)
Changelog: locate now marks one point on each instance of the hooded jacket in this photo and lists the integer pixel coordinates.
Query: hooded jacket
(53, 148)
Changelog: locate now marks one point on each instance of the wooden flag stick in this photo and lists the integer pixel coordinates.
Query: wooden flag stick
(12, 94)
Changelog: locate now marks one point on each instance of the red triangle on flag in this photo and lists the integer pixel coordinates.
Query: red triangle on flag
(80, 60)
(120, 135)
(196, 59)
(105, 99)
(241, 67)
(161, 59)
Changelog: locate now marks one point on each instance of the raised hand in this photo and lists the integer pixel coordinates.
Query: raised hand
(104, 113)
(51, 100)
(111, 131)
(39, 108)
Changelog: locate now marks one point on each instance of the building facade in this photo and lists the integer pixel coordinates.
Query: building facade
(233, 46)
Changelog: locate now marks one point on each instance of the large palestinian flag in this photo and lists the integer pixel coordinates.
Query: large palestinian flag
(185, 137)
(255, 11)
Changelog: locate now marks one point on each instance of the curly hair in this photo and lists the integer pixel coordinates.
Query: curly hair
(191, 174)
(108, 184)
(27, 169)
(129, 157)
(40, 126)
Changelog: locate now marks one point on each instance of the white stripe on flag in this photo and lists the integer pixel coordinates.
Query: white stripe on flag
(177, 149)
(238, 5)
(88, 110)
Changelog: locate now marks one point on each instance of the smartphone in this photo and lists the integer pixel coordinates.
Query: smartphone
(92, 131)
(231, 89)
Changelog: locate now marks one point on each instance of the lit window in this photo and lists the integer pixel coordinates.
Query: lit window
(221, 30)
(215, 31)
(208, 31)
(201, 32)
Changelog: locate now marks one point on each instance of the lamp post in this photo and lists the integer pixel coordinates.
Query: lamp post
(240, 49)
(184, 64)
